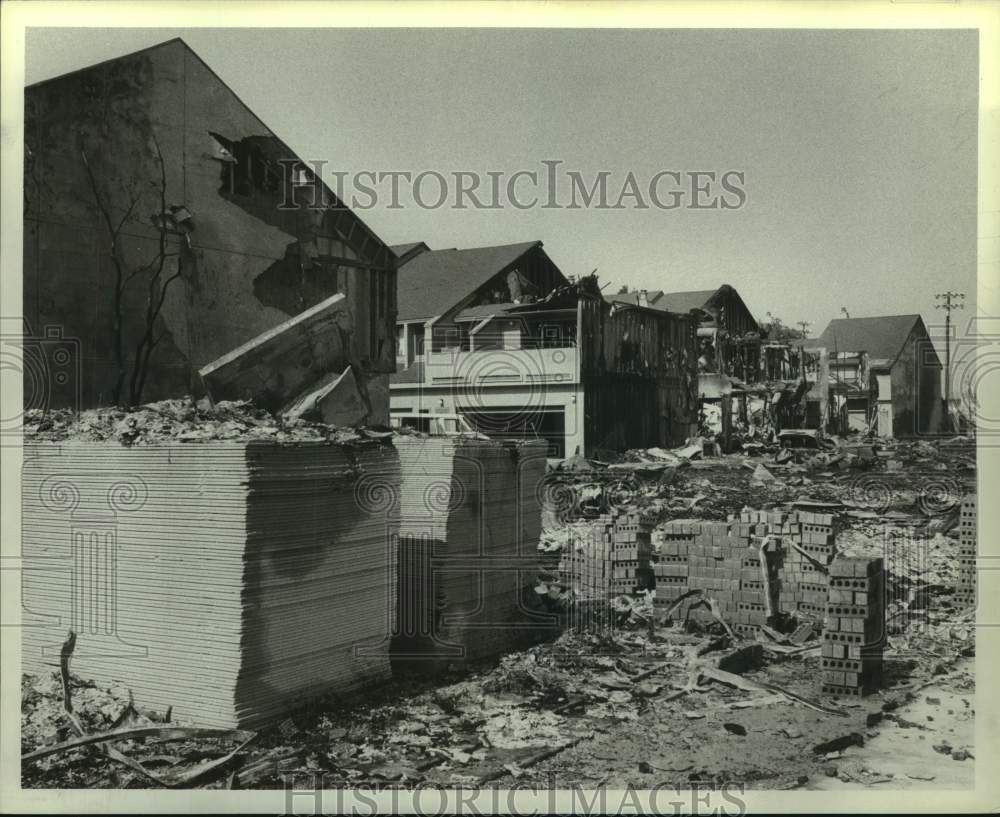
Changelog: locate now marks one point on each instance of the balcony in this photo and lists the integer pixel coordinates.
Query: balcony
(502, 367)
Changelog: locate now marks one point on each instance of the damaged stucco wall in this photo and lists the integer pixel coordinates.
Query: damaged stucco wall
(247, 264)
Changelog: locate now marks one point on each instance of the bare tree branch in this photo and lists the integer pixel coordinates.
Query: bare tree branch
(118, 341)
(156, 287)
(156, 294)
(128, 212)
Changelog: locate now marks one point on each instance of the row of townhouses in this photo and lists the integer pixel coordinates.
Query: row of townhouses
(163, 229)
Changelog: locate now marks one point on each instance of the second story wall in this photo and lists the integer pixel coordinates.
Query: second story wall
(617, 340)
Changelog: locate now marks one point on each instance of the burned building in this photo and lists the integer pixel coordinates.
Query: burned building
(165, 225)
(728, 334)
(519, 350)
(729, 350)
(886, 366)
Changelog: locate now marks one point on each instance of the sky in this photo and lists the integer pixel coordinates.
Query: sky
(859, 148)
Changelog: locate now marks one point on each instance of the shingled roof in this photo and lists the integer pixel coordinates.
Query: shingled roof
(401, 250)
(682, 302)
(433, 281)
(882, 337)
(686, 301)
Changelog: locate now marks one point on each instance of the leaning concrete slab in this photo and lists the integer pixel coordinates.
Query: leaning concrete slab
(280, 364)
(336, 400)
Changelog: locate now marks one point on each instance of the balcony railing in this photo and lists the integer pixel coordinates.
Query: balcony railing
(502, 367)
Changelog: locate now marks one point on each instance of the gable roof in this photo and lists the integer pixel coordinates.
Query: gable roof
(402, 250)
(882, 336)
(128, 55)
(432, 282)
(682, 302)
(686, 301)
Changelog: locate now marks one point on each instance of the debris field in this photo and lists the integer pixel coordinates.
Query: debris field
(651, 681)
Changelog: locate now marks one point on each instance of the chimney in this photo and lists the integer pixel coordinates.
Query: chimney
(643, 298)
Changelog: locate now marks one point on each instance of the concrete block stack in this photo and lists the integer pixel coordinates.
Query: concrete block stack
(808, 540)
(631, 550)
(854, 631)
(757, 582)
(965, 590)
(673, 544)
(721, 558)
(613, 558)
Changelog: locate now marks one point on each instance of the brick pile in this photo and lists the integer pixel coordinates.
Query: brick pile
(723, 559)
(854, 632)
(803, 585)
(965, 590)
(612, 558)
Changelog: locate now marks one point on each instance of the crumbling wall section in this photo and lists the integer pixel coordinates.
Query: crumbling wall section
(757, 565)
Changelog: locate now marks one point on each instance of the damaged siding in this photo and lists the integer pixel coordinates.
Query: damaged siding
(639, 382)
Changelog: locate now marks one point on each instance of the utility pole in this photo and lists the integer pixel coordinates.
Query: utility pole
(950, 300)
(805, 327)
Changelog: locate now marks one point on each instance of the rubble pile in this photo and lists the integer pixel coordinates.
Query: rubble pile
(653, 699)
(65, 727)
(178, 420)
(627, 706)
